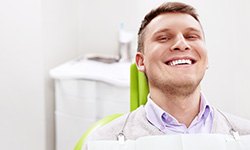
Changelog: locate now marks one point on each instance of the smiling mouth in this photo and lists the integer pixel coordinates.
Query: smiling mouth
(178, 62)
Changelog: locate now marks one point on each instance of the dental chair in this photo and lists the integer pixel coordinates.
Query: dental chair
(138, 96)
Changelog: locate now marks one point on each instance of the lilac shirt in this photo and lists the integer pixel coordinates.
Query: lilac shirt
(202, 123)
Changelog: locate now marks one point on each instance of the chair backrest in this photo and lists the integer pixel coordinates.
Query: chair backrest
(138, 88)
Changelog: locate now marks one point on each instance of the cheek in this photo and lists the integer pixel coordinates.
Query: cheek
(155, 51)
(152, 59)
(200, 50)
(204, 55)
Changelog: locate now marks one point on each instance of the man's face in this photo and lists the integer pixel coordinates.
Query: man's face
(174, 56)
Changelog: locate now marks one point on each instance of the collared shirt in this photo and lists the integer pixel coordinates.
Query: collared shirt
(202, 123)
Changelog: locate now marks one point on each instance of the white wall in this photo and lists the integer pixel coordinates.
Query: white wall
(227, 82)
(60, 44)
(99, 23)
(21, 96)
(35, 36)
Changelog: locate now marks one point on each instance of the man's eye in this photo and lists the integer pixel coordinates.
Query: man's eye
(163, 38)
(192, 37)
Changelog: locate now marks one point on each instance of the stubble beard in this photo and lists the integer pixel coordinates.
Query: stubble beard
(176, 89)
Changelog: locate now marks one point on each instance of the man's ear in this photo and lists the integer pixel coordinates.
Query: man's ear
(139, 60)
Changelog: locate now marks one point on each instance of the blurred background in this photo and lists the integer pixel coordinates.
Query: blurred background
(37, 36)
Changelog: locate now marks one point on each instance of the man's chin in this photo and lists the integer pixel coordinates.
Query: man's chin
(183, 88)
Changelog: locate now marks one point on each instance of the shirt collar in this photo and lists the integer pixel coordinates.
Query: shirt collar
(205, 108)
(154, 113)
(159, 118)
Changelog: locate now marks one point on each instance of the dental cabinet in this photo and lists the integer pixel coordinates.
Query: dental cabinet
(86, 91)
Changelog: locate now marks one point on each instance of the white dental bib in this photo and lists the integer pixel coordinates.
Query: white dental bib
(177, 142)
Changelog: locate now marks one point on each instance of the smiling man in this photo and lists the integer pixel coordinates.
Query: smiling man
(174, 58)
(172, 53)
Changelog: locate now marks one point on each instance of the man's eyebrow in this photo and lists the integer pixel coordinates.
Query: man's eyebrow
(193, 29)
(162, 30)
(187, 29)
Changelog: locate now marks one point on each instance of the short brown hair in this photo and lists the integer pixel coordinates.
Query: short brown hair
(169, 7)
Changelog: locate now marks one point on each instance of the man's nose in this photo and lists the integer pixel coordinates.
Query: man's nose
(180, 43)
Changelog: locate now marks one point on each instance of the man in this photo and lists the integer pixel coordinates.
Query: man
(172, 54)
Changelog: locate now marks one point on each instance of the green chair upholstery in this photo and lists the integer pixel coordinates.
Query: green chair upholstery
(138, 96)
(98, 124)
(138, 88)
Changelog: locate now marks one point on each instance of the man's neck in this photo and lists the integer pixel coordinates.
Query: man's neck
(183, 108)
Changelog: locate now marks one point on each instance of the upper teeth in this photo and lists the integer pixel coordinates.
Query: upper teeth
(180, 61)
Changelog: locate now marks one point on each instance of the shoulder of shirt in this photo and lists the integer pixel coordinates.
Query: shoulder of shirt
(110, 130)
(227, 121)
(137, 120)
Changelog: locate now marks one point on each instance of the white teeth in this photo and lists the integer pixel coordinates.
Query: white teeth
(180, 61)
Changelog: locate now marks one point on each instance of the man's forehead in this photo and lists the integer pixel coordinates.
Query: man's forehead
(167, 21)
